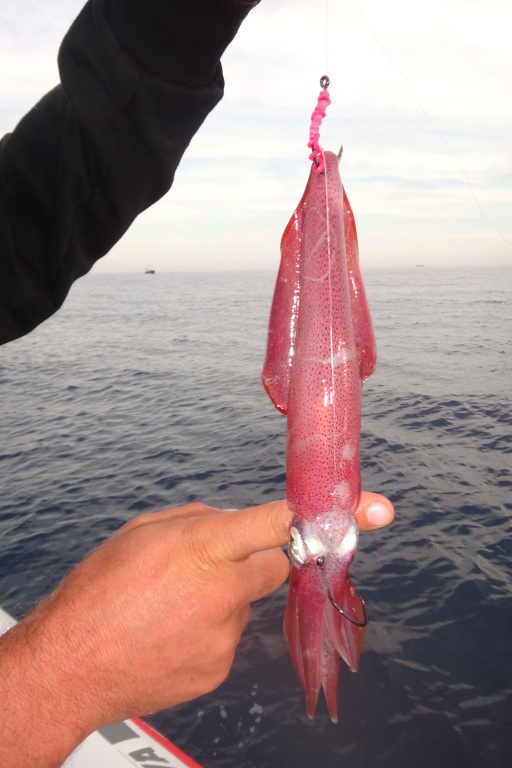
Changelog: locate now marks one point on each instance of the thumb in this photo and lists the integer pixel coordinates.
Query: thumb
(237, 535)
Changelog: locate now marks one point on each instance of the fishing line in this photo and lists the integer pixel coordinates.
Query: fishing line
(431, 123)
(325, 83)
(326, 36)
(331, 315)
(320, 168)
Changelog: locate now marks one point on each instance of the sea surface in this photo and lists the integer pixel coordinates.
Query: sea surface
(143, 392)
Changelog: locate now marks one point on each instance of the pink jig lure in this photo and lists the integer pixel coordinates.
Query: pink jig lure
(320, 350)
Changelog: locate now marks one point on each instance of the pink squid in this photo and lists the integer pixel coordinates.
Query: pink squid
(320, 350)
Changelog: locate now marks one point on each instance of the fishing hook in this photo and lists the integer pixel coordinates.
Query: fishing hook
(360, 624)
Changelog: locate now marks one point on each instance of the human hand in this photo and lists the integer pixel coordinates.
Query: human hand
(153, 616)
(167, 598)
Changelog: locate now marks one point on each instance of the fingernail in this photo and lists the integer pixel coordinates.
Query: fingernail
(377, 513)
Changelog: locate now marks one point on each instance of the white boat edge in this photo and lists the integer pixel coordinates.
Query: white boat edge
(130, 742)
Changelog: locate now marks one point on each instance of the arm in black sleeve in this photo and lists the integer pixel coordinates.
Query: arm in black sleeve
(138, 77)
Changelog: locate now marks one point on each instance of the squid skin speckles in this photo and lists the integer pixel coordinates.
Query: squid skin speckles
(320, 349)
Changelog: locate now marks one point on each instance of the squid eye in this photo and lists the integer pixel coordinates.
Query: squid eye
(320, 561)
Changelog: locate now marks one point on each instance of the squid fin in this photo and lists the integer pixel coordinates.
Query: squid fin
(283, 314)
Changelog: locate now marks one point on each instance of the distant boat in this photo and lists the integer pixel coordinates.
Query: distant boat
(420, 265)
(149, 271)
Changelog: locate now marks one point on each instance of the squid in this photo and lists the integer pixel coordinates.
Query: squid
(320, 350)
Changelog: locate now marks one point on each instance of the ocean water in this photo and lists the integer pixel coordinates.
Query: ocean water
(143, 392)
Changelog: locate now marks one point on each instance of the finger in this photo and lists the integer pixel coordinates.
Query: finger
(251, 579)
(236, 535)
(262, 573)
(374, 511)
(243, 618)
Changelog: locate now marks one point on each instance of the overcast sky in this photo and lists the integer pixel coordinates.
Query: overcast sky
(421, 100)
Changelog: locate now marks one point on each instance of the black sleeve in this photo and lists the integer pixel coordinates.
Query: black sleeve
(138, 77)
